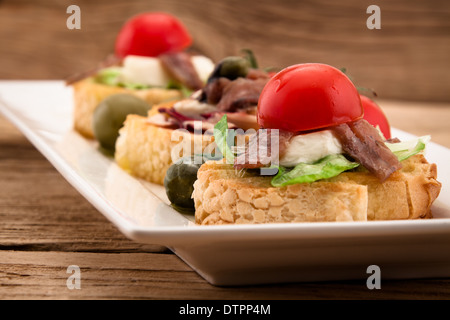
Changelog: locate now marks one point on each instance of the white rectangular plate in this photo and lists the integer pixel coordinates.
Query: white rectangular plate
(233, 254)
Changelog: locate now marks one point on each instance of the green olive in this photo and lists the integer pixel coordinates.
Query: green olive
(234, 67)
(179, 181)
(110, 115)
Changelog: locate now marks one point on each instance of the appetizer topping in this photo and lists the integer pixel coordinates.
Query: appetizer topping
(203, 65)
(308, 97)
(240, 94)
(152, 34)
(176, 116)
(109, 61)
(375, 116)
(221, 137)
(149, 53)
(243, 119)
(185, 116)
(110, 115)
(145, 72)
(327, 167)
(292, 149)
(179, 181)
(362, 142)
(194, 108)
(162, 121)
(177, 120)
(235, 83)
(268, 144)
(314, 96)
(181, 68)
(230, 68)
(404, 150)
(262, 148)
(255, 74)
(212, 92)
(232, 88)
(310, 147)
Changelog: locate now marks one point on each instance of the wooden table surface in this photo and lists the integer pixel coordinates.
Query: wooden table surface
(46, 226)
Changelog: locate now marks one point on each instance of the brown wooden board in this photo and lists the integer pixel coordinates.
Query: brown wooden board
(406, 59)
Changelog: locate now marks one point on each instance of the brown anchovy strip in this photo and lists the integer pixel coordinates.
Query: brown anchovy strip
(213, 91)
(179, 66)
(240, 94)
(261, 142)
(362, 142)
(233, 95)
(393, 140)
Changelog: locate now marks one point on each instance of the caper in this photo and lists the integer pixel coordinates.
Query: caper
(179, 181)
(110, 115)
(234, 67)
(231, 68)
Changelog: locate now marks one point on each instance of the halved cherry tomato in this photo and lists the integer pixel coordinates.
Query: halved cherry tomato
(375, 116)
(306, 97)
(151, 34)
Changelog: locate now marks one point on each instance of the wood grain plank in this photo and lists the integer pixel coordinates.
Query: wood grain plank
(43, 275)
(41, 211)
(406, 59)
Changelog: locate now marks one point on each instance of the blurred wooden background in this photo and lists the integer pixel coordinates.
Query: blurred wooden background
(408, 58)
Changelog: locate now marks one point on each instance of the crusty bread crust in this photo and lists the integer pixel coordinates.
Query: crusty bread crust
(88, 94)
(407, 194)
(224, 196)
(145, 150)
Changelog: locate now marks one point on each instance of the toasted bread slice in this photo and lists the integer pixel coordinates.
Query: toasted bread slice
(225, 196)
(88, 94)
(146, 151)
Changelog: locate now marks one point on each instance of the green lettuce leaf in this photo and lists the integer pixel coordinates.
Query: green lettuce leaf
(111, 77)
(406, 149)
(221, 134)
(178, 86)
(108, 76)
(134, 86)
(325, 168)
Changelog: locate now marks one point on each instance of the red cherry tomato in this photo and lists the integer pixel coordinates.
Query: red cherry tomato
(151, 34)
(306, 97)
(375, 116)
